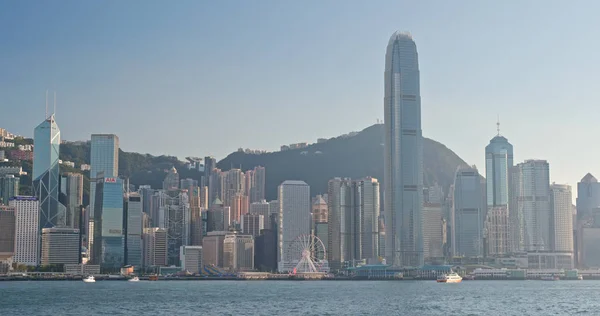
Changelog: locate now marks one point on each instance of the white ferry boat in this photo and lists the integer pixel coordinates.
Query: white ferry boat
(89, 279)
(134, 279)
(449, 278)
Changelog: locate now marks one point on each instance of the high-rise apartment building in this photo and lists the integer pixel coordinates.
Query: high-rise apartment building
(133, 237)
(468, 213)
(9, 187)
(27, 216)
(293, 221)
(254, 184)
(561, 229)
(108, 248)
(60, 245)
(238, 252)
(341, 222)
(155, 247)
(239, 207)
(72, 190)
(232, 184)
(534, 204)
(46, 173)
(353, 221)
(403, 168)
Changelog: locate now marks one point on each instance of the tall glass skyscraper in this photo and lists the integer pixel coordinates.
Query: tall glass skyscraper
(403, 173)
(46, 138)
(104, 158)
(498, 173)
(498, 161)
(293, 221)
(468, 213)
(109, 242)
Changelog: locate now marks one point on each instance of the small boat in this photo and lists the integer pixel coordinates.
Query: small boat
(449, 278)
(134, 279)
(580, 277)
(89, 279)
(550, 278)
(153, 278)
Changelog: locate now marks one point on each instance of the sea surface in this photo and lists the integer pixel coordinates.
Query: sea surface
(300, 298)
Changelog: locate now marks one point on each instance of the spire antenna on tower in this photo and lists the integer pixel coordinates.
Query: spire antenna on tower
(498, 125)
(54, 113)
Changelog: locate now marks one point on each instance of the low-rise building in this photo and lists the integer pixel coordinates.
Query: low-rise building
(60, 245)
(191, 259)
(238, 252)
(82, 269)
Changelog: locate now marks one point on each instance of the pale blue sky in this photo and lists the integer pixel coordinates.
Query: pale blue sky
(206, 77)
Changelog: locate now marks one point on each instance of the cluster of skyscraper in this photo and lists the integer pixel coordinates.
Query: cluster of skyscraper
(223, 222)
(513, 211)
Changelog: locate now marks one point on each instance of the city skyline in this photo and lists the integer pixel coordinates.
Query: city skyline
(481, 89)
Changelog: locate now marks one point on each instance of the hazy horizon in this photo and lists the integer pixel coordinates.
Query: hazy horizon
(196, 78)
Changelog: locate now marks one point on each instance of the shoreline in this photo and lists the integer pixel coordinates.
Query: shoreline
(99, 279)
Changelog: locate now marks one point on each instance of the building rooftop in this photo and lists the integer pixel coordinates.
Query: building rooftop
(589, 178)
(293, 182)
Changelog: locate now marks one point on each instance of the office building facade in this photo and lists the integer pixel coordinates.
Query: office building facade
(468, 213)
(293, 221)
(561, 229)
(238, 252)
(252, 224)
(134, 230)
(27, 216)
(108, 248)
(155, 247)
(60, 245)
(72, 189)
(104, 158)
(191, 259)
(9, 187)
(534, 204)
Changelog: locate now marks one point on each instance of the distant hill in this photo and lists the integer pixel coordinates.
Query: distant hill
(355, 156)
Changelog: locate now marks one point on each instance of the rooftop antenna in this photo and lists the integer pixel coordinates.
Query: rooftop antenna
(54, 113)
(498, 125)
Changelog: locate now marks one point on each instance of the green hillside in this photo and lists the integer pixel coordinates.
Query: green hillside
(355, 156)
